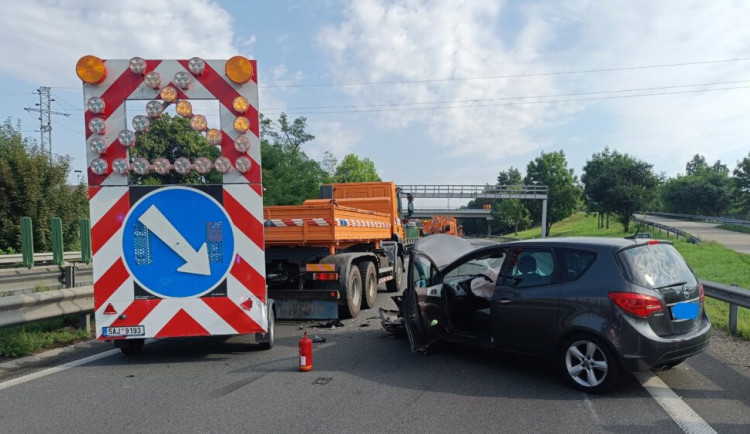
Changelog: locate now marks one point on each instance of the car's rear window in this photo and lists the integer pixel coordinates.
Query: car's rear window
(654, 266)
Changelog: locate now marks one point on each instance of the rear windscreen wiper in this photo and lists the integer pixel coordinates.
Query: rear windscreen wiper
(680, 283)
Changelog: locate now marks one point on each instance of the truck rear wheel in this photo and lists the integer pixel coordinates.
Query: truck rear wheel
(369, 283)
(396, 284)
(353, 294)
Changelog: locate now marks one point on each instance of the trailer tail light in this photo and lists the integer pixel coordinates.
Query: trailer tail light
(213, 136)
(640, 305)
(91, 69)
(152, 80)
(184, 108)
(242, 144)
(137, 65)
(196, 65)
(110, 310)
(99, 166)
(95, 105)
(182, 79)
(239, 69)
(325, 276)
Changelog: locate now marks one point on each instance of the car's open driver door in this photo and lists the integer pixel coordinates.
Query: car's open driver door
(423, 303)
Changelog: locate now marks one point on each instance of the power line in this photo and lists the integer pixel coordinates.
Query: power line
(512, 97)
(519, 102)
(538, 74)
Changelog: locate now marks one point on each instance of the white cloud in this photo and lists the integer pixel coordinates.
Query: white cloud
(43, 39)
(332, 137)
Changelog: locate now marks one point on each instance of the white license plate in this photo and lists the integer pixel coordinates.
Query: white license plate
(124, 331)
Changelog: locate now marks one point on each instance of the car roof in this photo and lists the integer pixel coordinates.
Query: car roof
(582, 241)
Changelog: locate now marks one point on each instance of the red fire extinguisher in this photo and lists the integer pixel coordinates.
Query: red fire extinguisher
(305, 353)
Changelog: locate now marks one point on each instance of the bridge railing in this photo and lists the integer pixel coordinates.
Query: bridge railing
(702, 218)
(477, 191)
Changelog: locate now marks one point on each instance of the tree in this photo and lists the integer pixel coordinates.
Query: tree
(510, 213)
(704, 190)
(742, 187)
(354, 169)
(33, 184)
(620, 184)
(289, 175)
(172, 137)
(564, 194)
(595, 179)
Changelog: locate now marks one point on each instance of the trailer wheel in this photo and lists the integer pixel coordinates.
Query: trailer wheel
(268, 343)
(369, 283)
(353, 294)
(396, 284)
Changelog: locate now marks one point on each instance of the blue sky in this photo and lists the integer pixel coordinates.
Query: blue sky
(453, 92)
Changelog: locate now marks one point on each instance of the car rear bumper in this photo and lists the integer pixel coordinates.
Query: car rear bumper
(645, 350)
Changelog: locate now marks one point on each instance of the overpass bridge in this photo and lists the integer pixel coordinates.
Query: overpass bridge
(422, 213)
(534, 192)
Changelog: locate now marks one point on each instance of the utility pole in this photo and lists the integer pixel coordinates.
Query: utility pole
(45, 115)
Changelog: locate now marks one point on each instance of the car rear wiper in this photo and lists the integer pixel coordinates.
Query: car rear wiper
(680, 283)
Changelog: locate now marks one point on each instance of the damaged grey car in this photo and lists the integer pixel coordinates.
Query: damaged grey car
(597, 306)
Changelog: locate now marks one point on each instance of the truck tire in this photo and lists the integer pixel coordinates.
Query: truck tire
(396, 284)
(369, 283)
(353, 294)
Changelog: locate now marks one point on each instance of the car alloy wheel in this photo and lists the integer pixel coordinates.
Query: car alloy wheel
(588, 364)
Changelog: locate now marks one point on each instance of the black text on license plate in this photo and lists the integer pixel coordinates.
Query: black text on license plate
(124, 331)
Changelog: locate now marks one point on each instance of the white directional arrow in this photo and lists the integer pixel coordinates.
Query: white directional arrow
(196, 262)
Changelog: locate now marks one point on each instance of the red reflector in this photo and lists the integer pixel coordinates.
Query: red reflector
(110, 310)
(332, 293)
(325, 276)
(638, 304)
(652, 242)
(247, 304)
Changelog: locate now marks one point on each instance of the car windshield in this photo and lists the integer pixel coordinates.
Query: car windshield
(487, 265)
(655, 266)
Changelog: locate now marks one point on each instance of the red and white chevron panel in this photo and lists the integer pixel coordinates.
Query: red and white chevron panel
(243, 309)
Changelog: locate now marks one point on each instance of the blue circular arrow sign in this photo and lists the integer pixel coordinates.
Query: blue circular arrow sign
(178, 242)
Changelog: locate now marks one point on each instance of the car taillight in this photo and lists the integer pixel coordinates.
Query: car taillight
(703, 293)
(638, 304)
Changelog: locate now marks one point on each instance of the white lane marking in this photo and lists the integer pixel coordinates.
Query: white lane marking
(56, 369)
(684, 416)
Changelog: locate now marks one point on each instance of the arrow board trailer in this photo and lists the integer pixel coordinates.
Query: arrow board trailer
(175, 260)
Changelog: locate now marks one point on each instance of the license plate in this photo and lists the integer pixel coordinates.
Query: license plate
(124, 331)
(685, 310)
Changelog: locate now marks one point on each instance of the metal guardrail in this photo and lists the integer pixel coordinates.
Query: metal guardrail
(702, 218)
(677, 232)
(22, 309)
(21, 280)
(733, 295)
(38, 257)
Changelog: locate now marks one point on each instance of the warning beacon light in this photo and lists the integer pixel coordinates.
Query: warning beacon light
(239, 69)
(91, 69)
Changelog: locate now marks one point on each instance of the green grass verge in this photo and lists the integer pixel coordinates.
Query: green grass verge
(736, 228)
(27, 339)
(709, 260)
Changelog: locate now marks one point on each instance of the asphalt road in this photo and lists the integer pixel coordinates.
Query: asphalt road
(737, 241)
(363, 381)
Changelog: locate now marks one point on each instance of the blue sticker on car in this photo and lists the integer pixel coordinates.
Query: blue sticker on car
(685, 310)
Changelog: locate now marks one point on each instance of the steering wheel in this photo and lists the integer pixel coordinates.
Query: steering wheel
(486, 277)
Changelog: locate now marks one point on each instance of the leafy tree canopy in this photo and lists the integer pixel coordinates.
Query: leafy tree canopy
(354, 169)
(564, 194)
(34, 185)
(704, 190)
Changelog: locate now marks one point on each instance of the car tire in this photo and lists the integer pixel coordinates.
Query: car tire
(588, 364)
(396, 284)
(353, 294)
(369, 283)
(267, 345)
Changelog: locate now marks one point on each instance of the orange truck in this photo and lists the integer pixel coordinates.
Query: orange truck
(442, 225)
(326, 257)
